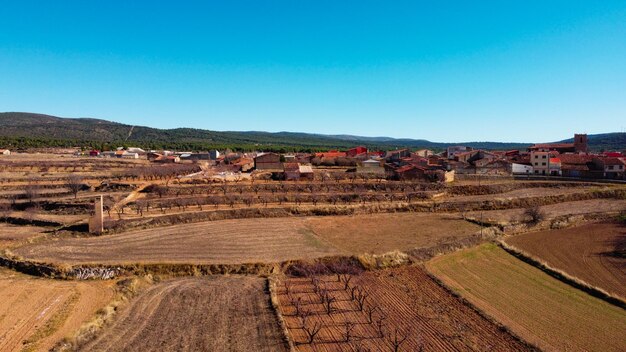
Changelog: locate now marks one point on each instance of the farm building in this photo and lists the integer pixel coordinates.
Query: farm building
(268, 161)
(244, 164)
(306, 172)
(94, 152)
(521, 169)
(292, 171)
(169, 159)
(397, 155)
(410, 172)
(370, 166)
(128, 155)
(5, 152)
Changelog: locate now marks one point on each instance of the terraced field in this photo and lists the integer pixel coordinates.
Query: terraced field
(406, 299)
(589, 252)
(222, 242)
(380, 233)
(11, 235)
(35, 313)
(196, 314)
(539, 308)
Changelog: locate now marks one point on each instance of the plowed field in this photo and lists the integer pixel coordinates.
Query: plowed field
(539, 308)
(223, 242)
(409, 300)
(36, 313)
(380, 233)
(586, 252)
(196, 314)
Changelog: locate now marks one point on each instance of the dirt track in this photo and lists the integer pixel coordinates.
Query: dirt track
(223, 242)
(36, 313)
(583, 252)
(196, 314)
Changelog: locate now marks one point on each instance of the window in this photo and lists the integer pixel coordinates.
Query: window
(610, 167)
(536, 163)
(543, 164)
(543, 157)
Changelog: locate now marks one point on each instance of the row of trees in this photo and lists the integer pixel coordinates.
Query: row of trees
(312, 321)
(286, 187)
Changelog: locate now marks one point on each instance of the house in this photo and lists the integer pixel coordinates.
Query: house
(136, 150)
(128, 155)
(540, 162)
(424, 153)
(331, 154)
(397, 155)
(410, 172)
(5, 152)
(493, 167)
(291, 171)
(352, 152)
(151, 156)
(268, 161)
(611, 167)
(94, 152)
(244, 164)
(169, 159)
(108, 154)
(521, 169)
(554, 167)
(452, 151)
(578, 165)
(578, 146)
(370, 166)
(306, 172)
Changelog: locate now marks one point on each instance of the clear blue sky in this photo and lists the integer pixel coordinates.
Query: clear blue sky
(447, 71)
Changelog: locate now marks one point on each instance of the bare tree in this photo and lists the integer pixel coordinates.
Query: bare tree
(328, 302)
(349, 326)
(370, 310)
(380, 326)
(396, 339)
(361, 296)
(74, 183)
(312, 331)
(31, 191)
(534, 215)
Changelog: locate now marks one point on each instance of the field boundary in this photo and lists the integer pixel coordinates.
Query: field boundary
(271, 287)
(562, 275)
(478, 311)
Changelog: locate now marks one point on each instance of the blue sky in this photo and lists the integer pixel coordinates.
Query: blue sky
(446, 71)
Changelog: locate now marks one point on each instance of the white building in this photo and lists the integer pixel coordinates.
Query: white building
(5, 152)
(521, 169)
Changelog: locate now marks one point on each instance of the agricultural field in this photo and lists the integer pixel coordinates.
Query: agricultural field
(381, 233)
(541, 309)
(594, 253)
(36, 313)
(196, 314)
(12, 235)
(383, 310)
(581, 207)
(214, 242)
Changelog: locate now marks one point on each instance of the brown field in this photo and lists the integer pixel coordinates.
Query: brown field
(11, 235)
(380, 233)
(36, 313)
(196, 314)
(411, 301)
(554, 210)
(221, 242)
(583, 251)
(537, 307)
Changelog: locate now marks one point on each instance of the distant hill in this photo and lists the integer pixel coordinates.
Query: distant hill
(23, 130)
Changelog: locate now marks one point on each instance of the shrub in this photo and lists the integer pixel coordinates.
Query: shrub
(534, 215)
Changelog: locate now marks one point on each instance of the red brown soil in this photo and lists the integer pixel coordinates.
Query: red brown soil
(380, 233)
(196, 314)
(412, 302)
(587, 252)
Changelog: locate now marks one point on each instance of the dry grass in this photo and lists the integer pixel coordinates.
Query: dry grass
(534, 305)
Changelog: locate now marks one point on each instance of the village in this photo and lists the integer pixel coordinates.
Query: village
(571, 160)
